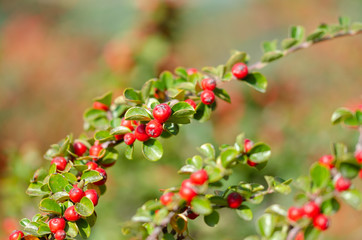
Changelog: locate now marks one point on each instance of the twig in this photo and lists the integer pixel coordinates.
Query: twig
(158, 229)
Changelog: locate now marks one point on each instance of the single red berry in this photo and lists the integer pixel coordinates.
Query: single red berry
(251, 163)
(56, 224)
(191, 71)
(103, 174)
(311, 209)
(154, 128)
(92, 165)
(129, 138)
(300, 236)
(321, 222)
(187, 193)
(327, 161)
(248, 145)
(191, 215)
(208, 84)
(358, 156)
(162, 112)
(71, 215)
(100, 106)
(294, 213)
(79, 148)
(234, 200)
(119, 137)
(60, 162)
(94, 151)
(342, 184)
(166, 198)
(187, 183)
(199, 177)
(360, 174)
(191, 102)
(92, 195)
(15, 235)
(60, 235)
(76, 194)
(140, 133)
(240, 70)
(128, 124)
(207, 97)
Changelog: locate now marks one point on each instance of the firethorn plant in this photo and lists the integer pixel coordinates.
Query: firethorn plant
(75, 181)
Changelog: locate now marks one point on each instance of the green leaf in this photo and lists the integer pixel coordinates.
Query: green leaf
(201, 205)
(172, 128)
(92, 114)
(207, 150)
(311, 233)
(196, 161)
(266, 224)
(330, 206)
(137, 113)
(245, 213)
(260, 153)
(228, 157)
(60, 196)
(110, 156)
(182, 109)
(203, 112)
(92, 219)
(91, 176)
(84, 228)
(359, 117)
(222, 94)
(271, 56)
(71, 229)
(167, 78)
(214, 173)
(35, 189)
(236, 57)
(288, 43)
(316, 35)
(50, 206)
(43, 229)
(128, 152)
(344, 21)
(23, 222)
(349, 170)
(257, 81)
(119, 130)
(181, 72)
(132, 95)
(57, 183)
(320, 176)
(353, 197)
(297, 32)
(341, 114)
(212, 219)
(102, 135)
(70, 177)
(270, 46)
(152, 150)
(186, 169)
(105, 99)
(85, 207)
(146, 88)
(65, 145)
(276, 209)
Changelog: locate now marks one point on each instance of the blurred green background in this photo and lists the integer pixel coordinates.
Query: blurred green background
(55, 56)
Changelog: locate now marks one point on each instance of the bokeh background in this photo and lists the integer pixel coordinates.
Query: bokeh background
(55, 56)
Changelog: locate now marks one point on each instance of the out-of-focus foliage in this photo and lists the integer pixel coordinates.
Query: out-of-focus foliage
(53, 61)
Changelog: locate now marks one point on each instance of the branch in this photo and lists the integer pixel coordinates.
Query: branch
(158, 229)
(303, 45)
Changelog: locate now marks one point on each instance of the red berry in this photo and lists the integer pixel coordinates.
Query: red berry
(15, 235)
(234, 200)
(294, 214)
(191, 71)
(162, 112)
(140, 133)
(251, 163)
(187, 183)
(358, 156)
(208, 84)
(92, 195)
(127, 123)
(119, 137)
(60, 162)
(191, 215)
(207, 97)
(166, 198)
(342, 184)
(100, 106)
(300, 236)
(94, 151)
(327, 161)
(129, 138)
(248, 145)
(311, 209)
(79, 148)
(103, 174)
(321, 222)
(191, 102)
(187, 193)
(199, 177)
(240, 70)
(360, 174)
(92, 165)
(76, 194)
(56, 224)
(60, 235)
(71, 215)
(154, 128)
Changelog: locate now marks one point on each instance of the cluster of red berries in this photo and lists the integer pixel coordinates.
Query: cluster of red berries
(248, 145)
(310, 210)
